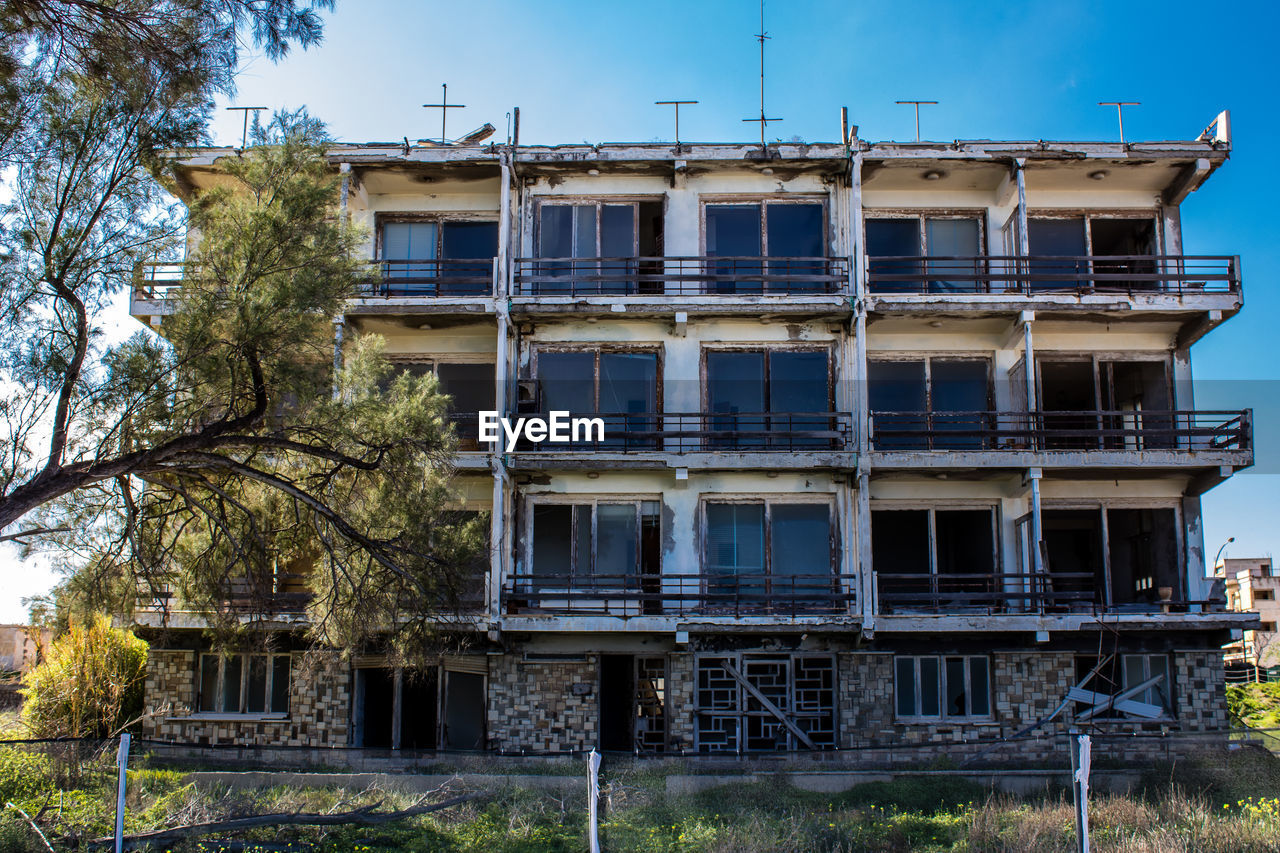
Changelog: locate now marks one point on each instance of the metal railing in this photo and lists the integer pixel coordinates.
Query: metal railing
(1046, 592)
(681, 276)
(704, 431)
(1010, 274)
(1086, 430)
(707, 594)
(398, 278)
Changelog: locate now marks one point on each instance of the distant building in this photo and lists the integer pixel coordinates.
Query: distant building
(1253, 584)
(19, 649)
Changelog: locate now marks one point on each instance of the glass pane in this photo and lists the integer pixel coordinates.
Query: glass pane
(957, 688)
(471, 246)
(618, 241)
(960, 386)
(795, 231)
(798, 383)
(905, 689)
(256, 700)
(733, 231)
(1162, 692)
(735, 539)
(1057, 237)
(280, 684)
(929, 698)
(629, 386)
(567, 381)
(894, 238)
(209, 683)
(584, 231)
(552, 540)
(965, 548)
(980, 686)
(411, 249)
(231, 684)
(1135, 672)
(955, 239)
(555, 240)
(617, 540)
(800, 549)
(736, 385)
(470, 385)
(896, 393)
(582, 556)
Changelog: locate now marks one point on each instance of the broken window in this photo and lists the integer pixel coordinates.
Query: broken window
(922, 253)
(769, 554)
(765, 703)
(609, 248)
(595, 545)
(769, 398)
(931, 404)
(243, 684)
(1132, 563)
(930, 559)
(933, 687)
(1113, 686)
(620, 385)
(1090, 403)
(766, 247)
(438, 257)
(1091, 250)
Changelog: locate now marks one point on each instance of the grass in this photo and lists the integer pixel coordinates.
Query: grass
(1229, 801)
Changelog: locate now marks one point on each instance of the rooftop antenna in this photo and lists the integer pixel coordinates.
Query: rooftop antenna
(917, 106)
(761, 37)
(244, 134)
(1120, 105)
(444, 106)
(675, 104)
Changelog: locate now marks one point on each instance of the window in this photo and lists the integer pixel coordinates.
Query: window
(1123, 672)
(766, 247)
(1263, 595)
(621, 384)
(731, 695)
(1092, 403)
(470, 385)
(930, 404)
(928, 559)
(438, 257)
(243, 684)
(941, 687)
(1131, 565)
(595, 544)
(763, 554)
(611, 247)
(1100, 249)
(769, 398)
(917, 253)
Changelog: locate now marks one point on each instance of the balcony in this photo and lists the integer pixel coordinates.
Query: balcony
(1103, 437)
(633, 595)
(704, 431)
(1027, 594)
(410, 279)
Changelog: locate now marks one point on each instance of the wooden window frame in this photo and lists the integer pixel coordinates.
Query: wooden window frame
(219, 688)
(764, 201)
(769, 501)
(767, 348)
(932, 508)
(923, 214)
(928, 359)
(575, 501)
(597, 349)
(633, 201)
(942, 715)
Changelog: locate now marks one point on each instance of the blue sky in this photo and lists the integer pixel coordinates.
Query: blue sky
(584, 71)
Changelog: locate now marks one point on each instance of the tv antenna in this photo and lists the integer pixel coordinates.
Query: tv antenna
(1120, 105)
(761, 37)
(244, 134)
(444, 106)
(917, 106)
(675, 104)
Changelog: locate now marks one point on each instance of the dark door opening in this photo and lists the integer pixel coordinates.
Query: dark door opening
(464, 711)
(1073, 545)
(374, 700)
(617, 703)
(418, 709)
(1068, 387)
(1144, 557)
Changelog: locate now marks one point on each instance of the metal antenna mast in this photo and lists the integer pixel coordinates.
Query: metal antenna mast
(244, 134)
(675, 104)
(1120, 105)
(761, 37)
(917, 106)
(444, 106)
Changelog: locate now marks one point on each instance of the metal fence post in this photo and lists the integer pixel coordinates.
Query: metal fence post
(593, 797)
(122, 762)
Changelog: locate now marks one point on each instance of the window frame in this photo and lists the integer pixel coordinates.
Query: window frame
(596, 349)
(928, 359)
(1118, 676)
(764, 200)
(942, 715)
(1090, 214)
(572, 577)
(440, 218)
(245, 666)
(766, 349)
(598, 202)
(768, 501)
(932, 507)
(921, 215)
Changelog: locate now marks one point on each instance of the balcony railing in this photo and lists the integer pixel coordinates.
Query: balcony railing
(1046, 592)
(681, 276)
(714, 431)
(682, 595)
(999, 275)
(1090, 430)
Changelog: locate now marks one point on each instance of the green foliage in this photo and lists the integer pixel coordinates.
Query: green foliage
(1256, 705)
(23, 773)
(89, 683)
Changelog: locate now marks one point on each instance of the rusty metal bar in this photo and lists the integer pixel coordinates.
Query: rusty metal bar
(1005, 274)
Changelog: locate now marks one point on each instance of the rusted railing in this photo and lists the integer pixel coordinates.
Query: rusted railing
(1009, 274)
(696, 432)
(408, 278)
(707, 594)
(1046, 592)
(681, 276)
(1096, 430)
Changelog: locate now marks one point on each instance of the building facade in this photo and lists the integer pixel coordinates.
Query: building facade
(1253, 585)
(899, 448)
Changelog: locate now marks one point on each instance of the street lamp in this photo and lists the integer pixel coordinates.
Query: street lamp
(1219, 554)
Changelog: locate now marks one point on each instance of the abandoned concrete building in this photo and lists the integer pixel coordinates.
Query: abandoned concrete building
(899, 449)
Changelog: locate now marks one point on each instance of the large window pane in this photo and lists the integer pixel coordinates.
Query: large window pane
(280, 684)
(957, 688)
(930, 698)
(980, 686)
(473, 242)
(800, 545)
(733, 231)
(952, 238)
(736, 384)
(960, 386)
(231, 674)
(795, 231)
(415, 242)
(889, 238)
(798, 382)
(209, 683)
(1057, 237)
(555, 231)
(900, 556)
(906, 688)
(256, 692)
(617, 539)
(618, 240)
(552, 540)
(566, 381)
(896, 391)
(566, 231)
(629, 385)
(735, 538)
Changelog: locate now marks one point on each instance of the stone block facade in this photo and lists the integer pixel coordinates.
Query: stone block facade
(543, 705)
(1201, 680)
(319, 699)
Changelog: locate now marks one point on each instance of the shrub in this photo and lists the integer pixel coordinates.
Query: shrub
(89, 684)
